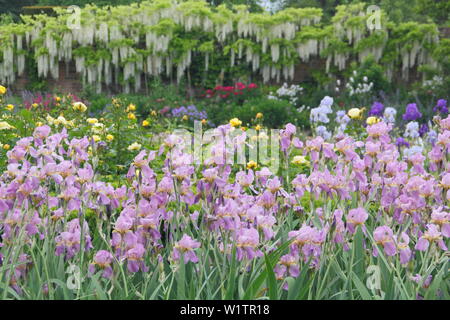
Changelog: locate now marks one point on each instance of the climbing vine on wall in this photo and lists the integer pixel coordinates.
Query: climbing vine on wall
(123, 44)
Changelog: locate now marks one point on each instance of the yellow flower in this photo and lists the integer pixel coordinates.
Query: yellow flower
(372, 120)
(235, 122)
(131, 116)
(185, 118)
(153, 113)
(5, 125)
(110, 137)
(259, 115)
(57, 99)
(92, 120)
(258, 127)
(134, 146)
(79, 106)
(243, 128)
(355, 113)
(251, 164)
(50, 119)
(204, 121)
(96, 138)
(62, 120)
(9, 107)
(98, 128)
(131, 107)
(35, 105)
(145, 123)
(300, 160)
(2, 90)
(6, 146)
(39, 124)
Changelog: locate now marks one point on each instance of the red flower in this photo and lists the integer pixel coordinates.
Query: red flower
(240, 86)
(252, 86)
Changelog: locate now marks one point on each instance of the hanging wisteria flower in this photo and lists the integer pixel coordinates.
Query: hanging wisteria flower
(185, 247)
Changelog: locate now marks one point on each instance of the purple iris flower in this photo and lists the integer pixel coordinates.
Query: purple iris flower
(401, 142)
(423, 129)
(376, 109)
(441, 106)
(412, 112)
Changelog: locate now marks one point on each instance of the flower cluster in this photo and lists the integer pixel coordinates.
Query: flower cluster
(229, 91)
(189, 112)
(354, 192)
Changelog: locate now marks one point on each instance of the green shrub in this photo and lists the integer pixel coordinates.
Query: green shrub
(276, 113)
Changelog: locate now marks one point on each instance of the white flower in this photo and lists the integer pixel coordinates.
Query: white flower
(432, 136)
(327, 101)
(412, 130)
(409, 152)
(323, 132)
(389, 115)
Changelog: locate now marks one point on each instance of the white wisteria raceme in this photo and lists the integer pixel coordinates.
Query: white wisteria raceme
(163, 35)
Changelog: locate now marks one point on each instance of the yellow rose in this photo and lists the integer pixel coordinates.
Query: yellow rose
(259, 115)
(92, 120)
(110, 137)
(235, 122)
(9, 107)
(57, 99)
(6, 146)
(131, 116)
(204, 121)
(79, 106)
(35, 105)
(300, 160)
(2, 90)
(131, 107)
(251, 164)
(355, 113)
(145, 123)
(258, 127)
(372, 120)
